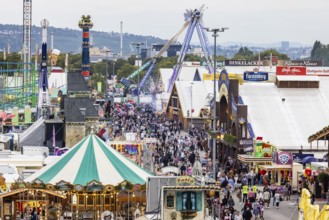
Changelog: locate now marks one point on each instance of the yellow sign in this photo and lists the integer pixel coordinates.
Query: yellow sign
(27, 114)
(210, 76)
(185, 181)
(232, 75)
(15, 119)
(99, 86)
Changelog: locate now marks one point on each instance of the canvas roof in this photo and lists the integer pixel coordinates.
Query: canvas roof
(200, 91)
(286, 124)
(91, 159)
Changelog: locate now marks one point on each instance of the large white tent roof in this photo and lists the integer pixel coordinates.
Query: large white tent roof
(286, 117)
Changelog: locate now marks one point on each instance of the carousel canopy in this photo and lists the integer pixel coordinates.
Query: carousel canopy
(91, 160)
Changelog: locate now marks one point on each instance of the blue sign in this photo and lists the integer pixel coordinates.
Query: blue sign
(299, 157)
(255, 76)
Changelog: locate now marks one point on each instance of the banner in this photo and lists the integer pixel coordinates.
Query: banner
(290, 71)
(15, 119)
(266, 150)
(255, 76)
(317, 71)
(99, 86)
(244, 63)
(210, 76)
(247, 144)
(27, 114)
(284, 158)
(303, 63)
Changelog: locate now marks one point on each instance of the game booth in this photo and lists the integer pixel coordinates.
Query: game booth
(87, 181)
(282, 170)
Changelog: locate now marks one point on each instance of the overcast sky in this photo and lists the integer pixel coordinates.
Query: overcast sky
(257, 21)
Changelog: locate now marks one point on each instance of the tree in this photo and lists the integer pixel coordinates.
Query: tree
(317, 45)
(243, 53)
(267, 53)
(125, 71)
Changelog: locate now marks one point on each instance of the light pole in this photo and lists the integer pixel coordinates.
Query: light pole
(215, 35)
(138, 44)
(107, 51)
(113, 80)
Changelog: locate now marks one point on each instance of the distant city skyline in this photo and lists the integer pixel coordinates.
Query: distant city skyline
(254, 21)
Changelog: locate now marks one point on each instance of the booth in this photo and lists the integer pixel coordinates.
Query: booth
(129, 149)
(91, 178)
(283, 169)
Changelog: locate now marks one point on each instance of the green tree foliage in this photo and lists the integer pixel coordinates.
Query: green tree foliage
(94, 79)
(267, 53)
(125, 71)
(244, 53)
(320, 52)
(317, 46)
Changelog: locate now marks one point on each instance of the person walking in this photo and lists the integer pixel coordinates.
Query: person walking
(267, 197)
(245, 193)
(277, 200)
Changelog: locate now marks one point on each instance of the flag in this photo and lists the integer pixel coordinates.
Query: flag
(54, 136)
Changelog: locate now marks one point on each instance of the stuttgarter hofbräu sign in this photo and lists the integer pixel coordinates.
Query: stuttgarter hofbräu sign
(255, 76)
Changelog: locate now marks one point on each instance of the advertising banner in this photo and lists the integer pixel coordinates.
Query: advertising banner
(299, 157)
(266, 150)
(244, 63)
(255, 76)
(290, 71)
(317, 71)
(303, 63)
(247, 144)
(210, 76)
(99, 86)
(284, 158)
(27, 114)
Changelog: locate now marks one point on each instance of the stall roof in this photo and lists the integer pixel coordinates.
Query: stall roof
(248, 158)
(276, 167)
(298, 78)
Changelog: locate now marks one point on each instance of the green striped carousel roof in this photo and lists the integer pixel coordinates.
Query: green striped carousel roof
(91, 160)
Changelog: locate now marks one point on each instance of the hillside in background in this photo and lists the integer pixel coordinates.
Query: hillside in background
(69, 40)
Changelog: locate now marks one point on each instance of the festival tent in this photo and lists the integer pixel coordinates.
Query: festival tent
(91, 160)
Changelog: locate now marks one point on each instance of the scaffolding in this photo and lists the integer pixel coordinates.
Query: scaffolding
(18, 86)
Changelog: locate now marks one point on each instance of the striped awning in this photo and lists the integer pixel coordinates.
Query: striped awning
(91, 160)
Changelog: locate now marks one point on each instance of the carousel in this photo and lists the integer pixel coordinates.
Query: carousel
(89, 181)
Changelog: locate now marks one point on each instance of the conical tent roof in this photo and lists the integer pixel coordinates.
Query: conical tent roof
(91, 159)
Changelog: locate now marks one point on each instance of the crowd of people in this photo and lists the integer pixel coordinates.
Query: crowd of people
(183, 150)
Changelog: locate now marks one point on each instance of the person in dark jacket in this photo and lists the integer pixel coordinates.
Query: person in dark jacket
(247, 215)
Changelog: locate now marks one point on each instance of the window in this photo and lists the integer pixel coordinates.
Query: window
(189, 201)
(170, 201)
(175, 104)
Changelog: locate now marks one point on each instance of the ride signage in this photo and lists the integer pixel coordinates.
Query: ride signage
(255, 76)
(291, 70)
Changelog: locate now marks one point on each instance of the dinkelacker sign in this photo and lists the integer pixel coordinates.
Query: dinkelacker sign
(244, 63)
